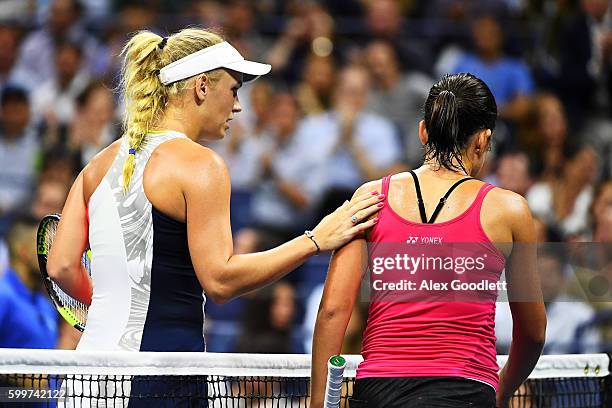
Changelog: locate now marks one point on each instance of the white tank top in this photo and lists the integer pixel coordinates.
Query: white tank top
(121, 234)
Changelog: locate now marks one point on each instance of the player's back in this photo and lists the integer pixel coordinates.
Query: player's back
(427, 328)
(146, 296)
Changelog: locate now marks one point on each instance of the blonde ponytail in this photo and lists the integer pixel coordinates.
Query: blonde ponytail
(144, 94)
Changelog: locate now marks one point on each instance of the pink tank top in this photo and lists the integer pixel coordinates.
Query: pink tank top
(426, 332)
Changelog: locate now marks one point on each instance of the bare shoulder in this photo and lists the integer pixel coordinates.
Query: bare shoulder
(505, 207)
(196, 165)
(202, 156)
(98, 166)
(375, 185)
(102, 158)
(512, 204)
(505, 217)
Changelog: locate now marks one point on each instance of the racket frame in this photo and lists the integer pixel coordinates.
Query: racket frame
(42, 253)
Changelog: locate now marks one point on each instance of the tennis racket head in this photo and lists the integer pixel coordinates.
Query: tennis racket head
(72, 310)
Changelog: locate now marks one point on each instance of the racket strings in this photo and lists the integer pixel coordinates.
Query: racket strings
(77, 309)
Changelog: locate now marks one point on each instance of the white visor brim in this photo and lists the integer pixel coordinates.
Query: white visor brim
(221, 55)
(250, 69)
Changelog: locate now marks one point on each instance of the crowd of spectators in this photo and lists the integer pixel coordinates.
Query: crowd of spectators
(341, 107)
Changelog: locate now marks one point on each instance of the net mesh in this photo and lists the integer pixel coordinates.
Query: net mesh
(240, 380)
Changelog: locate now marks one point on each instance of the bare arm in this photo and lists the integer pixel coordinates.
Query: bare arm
(339, 295)
(526, 305)
(64, 265)
(224, 275)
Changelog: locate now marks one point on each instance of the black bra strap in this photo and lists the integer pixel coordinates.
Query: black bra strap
(419, 197)
(443, 199)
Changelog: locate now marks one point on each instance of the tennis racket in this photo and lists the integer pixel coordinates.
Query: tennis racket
(335, 375)
(72, 310)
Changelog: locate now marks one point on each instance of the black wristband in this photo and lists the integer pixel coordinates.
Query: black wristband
(310, 235)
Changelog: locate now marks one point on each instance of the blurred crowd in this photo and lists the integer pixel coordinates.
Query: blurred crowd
(341, 107)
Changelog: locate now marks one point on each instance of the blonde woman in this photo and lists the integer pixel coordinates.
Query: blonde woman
(154, 206)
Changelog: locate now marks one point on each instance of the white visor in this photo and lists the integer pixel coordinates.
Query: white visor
(221, 55)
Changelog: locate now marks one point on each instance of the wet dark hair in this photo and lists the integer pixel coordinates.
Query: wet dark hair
(457, 106)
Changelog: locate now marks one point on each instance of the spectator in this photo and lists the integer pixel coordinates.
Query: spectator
(397, 96)
(9, 43)
(54, 102)
(595, 257)
(564, 313)
(58, 166)
(94, 126)
(463, 10)
(384, 21)
(509, 78)
(16, 10)
(594, 287)
(546, 233)
(239, 29)
(243, 149)
(314, 91)
(28, 319)
(37, 52)
(131, 17)
(601, 213)
(352, 144)
(49, 198)
(268, 322)
(19, 149)
(354, 330)
(293, 180)
(543, 135)
(209, 13)
(599, 21)
(224, 322)
(577, 66)
(312, 30)
(513, 173)
(565, 201)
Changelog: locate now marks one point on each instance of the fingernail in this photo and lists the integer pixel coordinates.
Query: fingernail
(382, 196)
(375, 220)
(374, 192)
(380, 205)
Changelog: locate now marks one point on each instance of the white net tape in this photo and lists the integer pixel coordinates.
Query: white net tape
(20, 361)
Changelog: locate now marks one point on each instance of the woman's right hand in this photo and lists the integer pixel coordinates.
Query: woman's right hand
(350, 219)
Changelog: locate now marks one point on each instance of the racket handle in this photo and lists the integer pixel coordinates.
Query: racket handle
(335, 376)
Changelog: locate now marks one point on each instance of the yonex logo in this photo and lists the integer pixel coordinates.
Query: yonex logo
(424, 240)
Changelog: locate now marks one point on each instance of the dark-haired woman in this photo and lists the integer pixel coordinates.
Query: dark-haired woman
(428, 347)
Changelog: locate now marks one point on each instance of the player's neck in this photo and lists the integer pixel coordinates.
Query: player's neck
(433, 167)
(174, 123)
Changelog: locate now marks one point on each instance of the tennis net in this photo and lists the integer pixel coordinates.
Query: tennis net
(103, 379)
